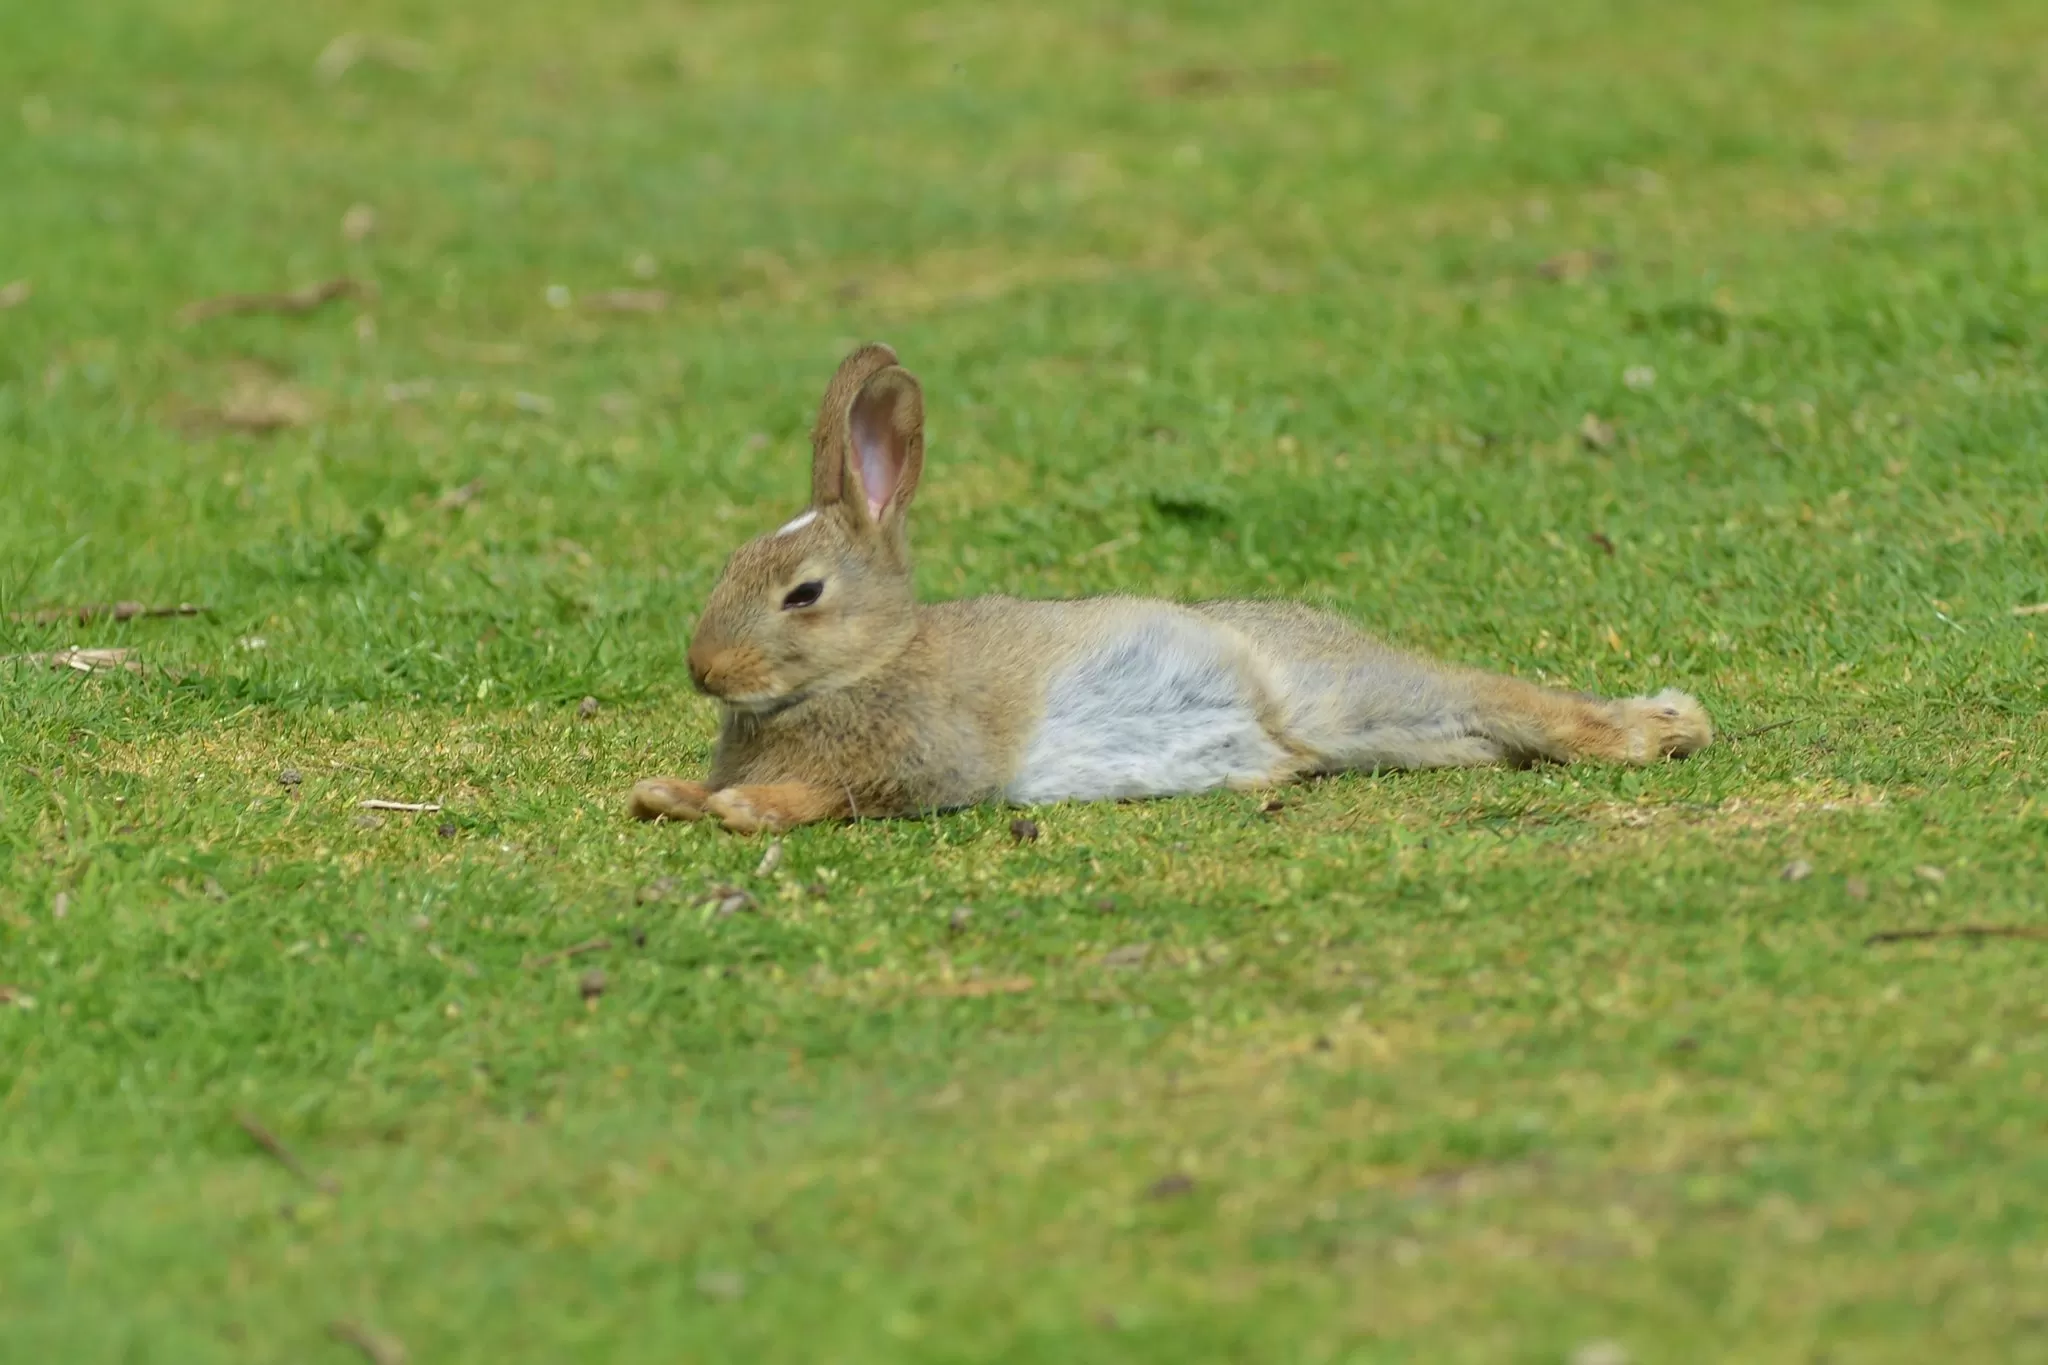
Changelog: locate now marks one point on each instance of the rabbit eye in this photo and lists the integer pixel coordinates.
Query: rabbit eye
(804, 595)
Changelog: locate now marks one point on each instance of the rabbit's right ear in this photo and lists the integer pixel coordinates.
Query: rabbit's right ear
(833, 459)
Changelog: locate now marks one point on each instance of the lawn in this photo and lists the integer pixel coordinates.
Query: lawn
(1616, 345)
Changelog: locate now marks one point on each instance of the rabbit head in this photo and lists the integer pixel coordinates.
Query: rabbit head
(827, 599)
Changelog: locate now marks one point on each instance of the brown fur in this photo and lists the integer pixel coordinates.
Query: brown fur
(866, 703)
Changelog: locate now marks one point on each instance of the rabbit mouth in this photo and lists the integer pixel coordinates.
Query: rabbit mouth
(734, 675)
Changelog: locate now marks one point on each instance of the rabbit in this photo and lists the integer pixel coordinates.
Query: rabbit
(844, 697)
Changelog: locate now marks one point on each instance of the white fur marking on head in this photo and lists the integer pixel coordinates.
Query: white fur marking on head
(798, 522)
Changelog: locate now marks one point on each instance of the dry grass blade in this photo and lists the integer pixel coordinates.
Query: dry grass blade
(593, 945)
(285, 1157)
(625, 301)
(359, 222)
(15, 293)
(976, 987)
(81, 660)
(1759, 730)
(1109, 547)
(259, 406)
(303, 300)
(413, 806)
(2033, 931)
(479, 352)
(726, 900)
(455, 499)
(345, 51)
(2032, 609)
(101, 611)
(376, 1347)
(1569, 267)
(1195, 82)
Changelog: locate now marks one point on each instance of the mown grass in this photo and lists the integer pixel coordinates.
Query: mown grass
(1295, 298)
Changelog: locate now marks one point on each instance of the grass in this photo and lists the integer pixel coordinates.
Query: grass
(1476, 1066)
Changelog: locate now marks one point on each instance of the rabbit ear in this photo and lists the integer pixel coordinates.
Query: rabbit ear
(886, 431)
(832, 456)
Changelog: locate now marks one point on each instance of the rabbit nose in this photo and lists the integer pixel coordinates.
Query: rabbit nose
(701, 672)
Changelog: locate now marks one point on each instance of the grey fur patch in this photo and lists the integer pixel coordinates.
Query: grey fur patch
(1161, 709)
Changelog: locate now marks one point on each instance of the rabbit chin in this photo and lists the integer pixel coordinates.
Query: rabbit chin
(762, 704)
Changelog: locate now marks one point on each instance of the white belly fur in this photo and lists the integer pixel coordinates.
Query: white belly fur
(1165, 704)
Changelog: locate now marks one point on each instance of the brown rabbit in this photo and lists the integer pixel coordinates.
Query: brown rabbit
(844, 696)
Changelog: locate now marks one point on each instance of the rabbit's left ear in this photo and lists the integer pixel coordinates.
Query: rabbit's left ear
(885, 434)
(832, 456)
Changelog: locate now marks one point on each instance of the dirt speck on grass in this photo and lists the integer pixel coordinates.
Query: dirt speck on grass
(1177, 1185)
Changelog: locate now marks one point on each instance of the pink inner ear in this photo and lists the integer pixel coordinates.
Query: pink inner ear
(877, 469)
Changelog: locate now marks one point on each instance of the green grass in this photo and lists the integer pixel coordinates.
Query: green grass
(1467, 1066)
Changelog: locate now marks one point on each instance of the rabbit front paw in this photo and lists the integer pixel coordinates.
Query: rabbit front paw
(668, 798)
(771, 806)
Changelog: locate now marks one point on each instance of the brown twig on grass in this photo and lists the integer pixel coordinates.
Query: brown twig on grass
(415, 807)
(273, 1144)
(303, 300)
(1960, 931)
(593, 945)
(375, 1346)
(87, 613)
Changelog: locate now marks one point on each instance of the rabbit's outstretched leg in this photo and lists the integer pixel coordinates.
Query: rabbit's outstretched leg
(1537, 722)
